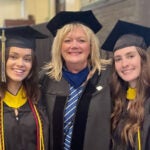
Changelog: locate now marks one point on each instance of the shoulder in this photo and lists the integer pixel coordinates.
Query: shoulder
(106, 73)
(43, 78)
(50, 85)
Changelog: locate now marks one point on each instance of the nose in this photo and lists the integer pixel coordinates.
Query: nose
(74, 44)
(20, 62)
(124, 63)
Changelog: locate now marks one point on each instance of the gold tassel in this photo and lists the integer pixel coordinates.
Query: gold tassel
(2, 145)
(42, 147)
(139, 140)
(3, 39)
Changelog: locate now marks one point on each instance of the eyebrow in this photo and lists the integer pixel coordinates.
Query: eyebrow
(18, 53)
(128, 53)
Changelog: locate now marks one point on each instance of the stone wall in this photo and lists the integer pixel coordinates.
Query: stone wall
(110, 11)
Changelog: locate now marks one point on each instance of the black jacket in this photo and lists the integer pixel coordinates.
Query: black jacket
(92, 119)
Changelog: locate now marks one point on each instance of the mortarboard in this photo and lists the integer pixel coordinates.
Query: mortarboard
(22, 36)
(126, 34)
(65, 17)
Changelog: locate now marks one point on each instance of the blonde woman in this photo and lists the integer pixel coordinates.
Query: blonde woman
(74, 86)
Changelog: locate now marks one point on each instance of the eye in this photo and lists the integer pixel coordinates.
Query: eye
(28, 59)
(117, 59)
(130, 56)
(82, 40)
(67, 40)
(12, 56)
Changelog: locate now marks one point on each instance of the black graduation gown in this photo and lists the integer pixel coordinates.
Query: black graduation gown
(92, 119)
(145, 132)
(20, 132)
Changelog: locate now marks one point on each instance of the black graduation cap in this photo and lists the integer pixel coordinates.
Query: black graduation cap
(65, 17)
(22, 36)
(127, 34)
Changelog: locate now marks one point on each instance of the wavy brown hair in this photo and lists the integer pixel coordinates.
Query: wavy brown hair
(135, 116)
(30, 83)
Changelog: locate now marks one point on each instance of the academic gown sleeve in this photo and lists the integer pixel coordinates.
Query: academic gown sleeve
(146, 127)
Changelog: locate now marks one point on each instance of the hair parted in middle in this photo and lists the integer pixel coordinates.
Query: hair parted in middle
(94, 61)
(136, 111)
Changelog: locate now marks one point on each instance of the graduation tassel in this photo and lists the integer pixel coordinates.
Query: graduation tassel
(139, 140)
(3, 39)
(2, 145)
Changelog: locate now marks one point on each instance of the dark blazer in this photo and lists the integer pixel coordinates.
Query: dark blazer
(92, 120)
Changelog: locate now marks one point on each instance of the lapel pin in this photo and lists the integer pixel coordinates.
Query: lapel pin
(99, 88)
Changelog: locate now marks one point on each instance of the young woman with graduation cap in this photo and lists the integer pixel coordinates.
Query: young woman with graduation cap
(22, 124)
(76, 76)
(130, 86)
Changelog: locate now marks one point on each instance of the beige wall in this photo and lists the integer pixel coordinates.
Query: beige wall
(13, 9)
(9, 9)
(42, 10)
(39, 8)
(73, 5)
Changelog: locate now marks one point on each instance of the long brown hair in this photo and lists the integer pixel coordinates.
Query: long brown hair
(30, 83)
(135, 116)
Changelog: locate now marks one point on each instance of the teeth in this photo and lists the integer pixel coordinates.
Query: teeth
(127, 71)
(18, 71)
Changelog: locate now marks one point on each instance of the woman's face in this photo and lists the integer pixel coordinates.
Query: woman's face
(128, 64)
(76, 48)
(19, 64)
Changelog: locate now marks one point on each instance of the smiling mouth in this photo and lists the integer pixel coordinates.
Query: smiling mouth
(74, 52)
(127, 71)
(19, 71)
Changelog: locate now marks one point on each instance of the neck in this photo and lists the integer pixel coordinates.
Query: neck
(132, 84)
(13, 87)
(75, 68)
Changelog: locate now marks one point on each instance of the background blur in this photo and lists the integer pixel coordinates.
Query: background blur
(39, 12)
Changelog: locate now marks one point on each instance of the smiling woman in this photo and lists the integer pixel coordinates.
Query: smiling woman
(76, 48)
(130, 86)
(23, 124)
(128, 64)
(74, 84)
(18, 65)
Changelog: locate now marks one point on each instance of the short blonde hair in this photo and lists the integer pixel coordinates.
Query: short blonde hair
(54, 68)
